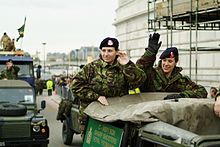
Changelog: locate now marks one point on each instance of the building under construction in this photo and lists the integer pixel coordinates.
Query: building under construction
(190, 25)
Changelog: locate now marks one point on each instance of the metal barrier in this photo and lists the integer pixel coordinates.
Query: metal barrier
(64, 92)
(58, 90)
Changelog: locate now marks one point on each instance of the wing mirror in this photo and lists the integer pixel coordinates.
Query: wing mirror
(42, 106)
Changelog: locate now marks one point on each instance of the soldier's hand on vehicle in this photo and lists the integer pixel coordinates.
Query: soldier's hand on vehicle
(103, 100)
(122, 57)
(153, 44)
(173, 96)
(217, 106)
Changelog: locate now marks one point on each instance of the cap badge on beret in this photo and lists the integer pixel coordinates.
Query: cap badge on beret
(110, 42)
(171, 52)
(171, 55)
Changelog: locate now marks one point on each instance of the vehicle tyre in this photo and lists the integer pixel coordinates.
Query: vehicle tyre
(44, 145)
(67, 133)
(8, 109)
(39, 145)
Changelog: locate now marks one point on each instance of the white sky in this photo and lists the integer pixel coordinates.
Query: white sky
(62, 24)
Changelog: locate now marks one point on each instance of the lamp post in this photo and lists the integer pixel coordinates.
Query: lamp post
(77, 59)
(44, 44)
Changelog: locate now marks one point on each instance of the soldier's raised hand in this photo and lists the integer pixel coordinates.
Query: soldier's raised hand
(153, 43)
(122, 57)
(103, 100)
(217, 106)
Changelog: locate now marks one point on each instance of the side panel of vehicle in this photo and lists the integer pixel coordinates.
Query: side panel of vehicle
(99, 134)
(163, 134)
(75, 119)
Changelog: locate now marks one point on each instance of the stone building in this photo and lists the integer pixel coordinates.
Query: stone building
(136, 19)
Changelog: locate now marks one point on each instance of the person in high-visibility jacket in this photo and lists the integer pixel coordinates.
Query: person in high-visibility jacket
(49, 87)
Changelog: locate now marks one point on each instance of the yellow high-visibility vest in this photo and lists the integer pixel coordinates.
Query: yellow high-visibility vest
(135, 91)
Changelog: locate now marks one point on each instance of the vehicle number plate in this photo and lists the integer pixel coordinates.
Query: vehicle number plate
(2, 143)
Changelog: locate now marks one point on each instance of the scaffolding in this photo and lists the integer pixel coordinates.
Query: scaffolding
(190, 15)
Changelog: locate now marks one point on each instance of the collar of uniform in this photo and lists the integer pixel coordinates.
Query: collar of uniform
(105, 64)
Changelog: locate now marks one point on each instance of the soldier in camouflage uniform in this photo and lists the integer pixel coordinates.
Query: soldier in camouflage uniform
(5, 41)
(39, 86)
(11, 71)
(111, 75)
(166, 77)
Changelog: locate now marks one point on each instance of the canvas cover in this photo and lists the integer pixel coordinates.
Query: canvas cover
(192, 114)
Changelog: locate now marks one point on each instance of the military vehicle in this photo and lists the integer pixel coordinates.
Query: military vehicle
(21, 123)
(68, 114)
(23, 61)
(146, 119)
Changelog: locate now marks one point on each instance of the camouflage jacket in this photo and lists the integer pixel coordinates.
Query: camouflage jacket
(10, 74)
(101, 79)
(157, 82)
(39, 83)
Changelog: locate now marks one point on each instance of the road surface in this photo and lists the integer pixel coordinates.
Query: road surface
(50, 113)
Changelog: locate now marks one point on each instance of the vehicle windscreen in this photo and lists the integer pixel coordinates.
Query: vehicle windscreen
(16, 95)
(26, 68)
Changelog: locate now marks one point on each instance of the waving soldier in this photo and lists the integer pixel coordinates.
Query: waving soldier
(166, 77)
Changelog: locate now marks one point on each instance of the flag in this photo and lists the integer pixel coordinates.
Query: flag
(21, 30)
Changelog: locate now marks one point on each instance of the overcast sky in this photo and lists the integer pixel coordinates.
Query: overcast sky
(62, 24)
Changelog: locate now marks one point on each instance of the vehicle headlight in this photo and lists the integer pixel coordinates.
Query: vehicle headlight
(36, 128)
(39, 128)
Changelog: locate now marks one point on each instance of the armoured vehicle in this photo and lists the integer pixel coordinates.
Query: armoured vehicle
(146, 119)
(21, 124)
(23, 61)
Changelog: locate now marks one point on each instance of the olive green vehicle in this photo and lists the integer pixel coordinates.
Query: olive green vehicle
(68, 113)
(145, 119)
(20, 121)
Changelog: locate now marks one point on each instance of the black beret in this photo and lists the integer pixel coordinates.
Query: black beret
(10, 60)
(109, 42)
(170, 53)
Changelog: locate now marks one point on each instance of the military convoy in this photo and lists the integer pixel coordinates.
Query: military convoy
(137, 120)
(146, 119)
(20, 121)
